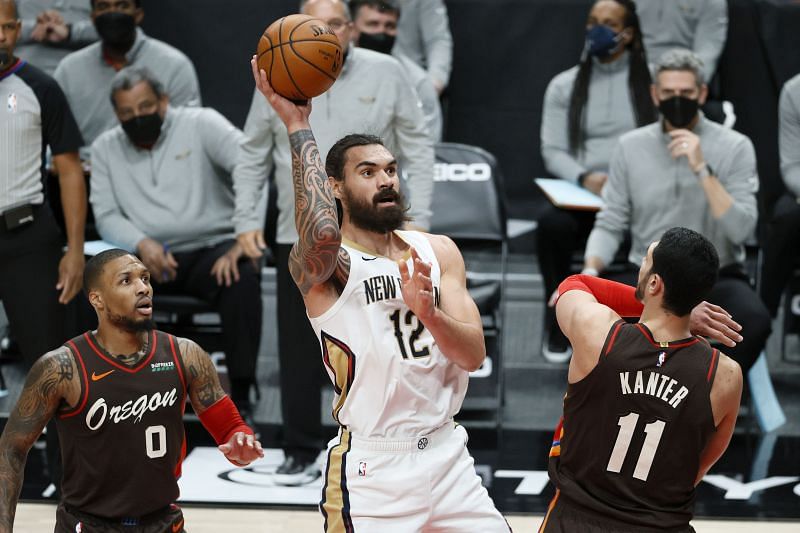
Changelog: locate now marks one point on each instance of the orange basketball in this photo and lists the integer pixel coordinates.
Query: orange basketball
(301, 56)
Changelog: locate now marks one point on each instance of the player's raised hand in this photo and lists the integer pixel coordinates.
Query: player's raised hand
(417, 287)
(294, 115)
(242, 449)
(712, 321)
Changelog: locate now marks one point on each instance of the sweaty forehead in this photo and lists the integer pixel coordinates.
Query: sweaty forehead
(374, 153)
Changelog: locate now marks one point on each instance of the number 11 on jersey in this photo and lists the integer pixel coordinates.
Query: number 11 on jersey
(627, 425)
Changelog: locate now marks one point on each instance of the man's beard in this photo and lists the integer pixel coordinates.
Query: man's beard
(371, 217)
(641, 286)
(131, 325)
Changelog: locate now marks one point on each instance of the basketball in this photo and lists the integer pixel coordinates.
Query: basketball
(301, 56)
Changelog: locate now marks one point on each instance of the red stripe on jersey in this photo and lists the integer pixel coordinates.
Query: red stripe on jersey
(178, 366)
(179, 466)
(714, 354)
(613, 338)
(85, 384)
(129, 370)
(650, 338)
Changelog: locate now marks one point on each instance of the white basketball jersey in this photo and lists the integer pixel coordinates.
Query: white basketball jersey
(390, 378)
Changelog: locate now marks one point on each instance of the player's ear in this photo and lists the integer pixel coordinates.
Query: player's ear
(96, 299)
(336, 186)
(655, 284)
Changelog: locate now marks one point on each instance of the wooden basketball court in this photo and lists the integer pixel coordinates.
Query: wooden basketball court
(38, 517)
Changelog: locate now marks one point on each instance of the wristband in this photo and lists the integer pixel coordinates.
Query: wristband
(222, 420)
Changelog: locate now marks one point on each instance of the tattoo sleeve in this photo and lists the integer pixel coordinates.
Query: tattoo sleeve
(203, 381)
(44, 390)
(314, 258)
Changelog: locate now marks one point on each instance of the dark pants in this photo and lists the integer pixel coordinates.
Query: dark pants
(239, 307)
(302, 373)
(560, 234)
(781, 251)
(733, 293)
(29, 258)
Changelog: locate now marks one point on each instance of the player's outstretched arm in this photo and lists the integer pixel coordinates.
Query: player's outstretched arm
(315, 256)
(216, 411)
(456, 322)
(52, 379)
(726, 393)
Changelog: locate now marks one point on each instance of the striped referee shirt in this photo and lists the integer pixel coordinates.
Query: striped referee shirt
(33, 115)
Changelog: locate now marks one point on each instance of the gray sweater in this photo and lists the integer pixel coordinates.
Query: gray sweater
(86, 77)
(423, 34)
(178, 193)
(789, 134)
(427, 95)
(699, 25)
(607, 115)
(649, 192)
(372, 95)
(46, 56)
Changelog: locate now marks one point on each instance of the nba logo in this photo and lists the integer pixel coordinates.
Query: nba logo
(79, 527)
(661, 358)
(11, 103)
(362, 469)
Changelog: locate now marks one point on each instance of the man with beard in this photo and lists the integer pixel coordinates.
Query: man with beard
(399, 334)
(118, 395)
(687, 170)
(172, 203)
(649, 408)
(372, 95)
(86, 75)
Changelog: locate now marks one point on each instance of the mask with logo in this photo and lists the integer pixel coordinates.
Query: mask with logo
(379, 42)
(117, 30)
(678, 110)
(143, 130)
(602, 41)
(6, 58)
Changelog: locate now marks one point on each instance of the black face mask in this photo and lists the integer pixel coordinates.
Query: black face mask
(6, 58)
(379, 42)
(117, 30)
(678, 110)
(143, 130)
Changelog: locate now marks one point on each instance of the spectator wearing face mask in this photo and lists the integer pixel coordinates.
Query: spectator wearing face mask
(51, 29)
(375, 28)
(697, 25)
(685, 170)
(85, 75)
(171, 202)
(586, 109)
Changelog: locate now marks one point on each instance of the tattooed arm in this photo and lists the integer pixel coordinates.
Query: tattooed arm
(51, 383)
(202, 379)
(317, 256)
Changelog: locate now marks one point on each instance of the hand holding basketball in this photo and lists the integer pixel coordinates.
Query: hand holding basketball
(293, 115)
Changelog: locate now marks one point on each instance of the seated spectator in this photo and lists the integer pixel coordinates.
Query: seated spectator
(698, 25)
(51, 29)
(782, 247)
(424, 36)
(586, 109)
(685, 170)
(86, 75)
(161, 186)
(375, 28)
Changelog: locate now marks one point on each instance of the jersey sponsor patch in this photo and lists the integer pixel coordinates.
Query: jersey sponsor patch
(162, 367)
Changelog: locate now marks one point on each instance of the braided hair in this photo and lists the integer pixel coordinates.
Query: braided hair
(639, 81)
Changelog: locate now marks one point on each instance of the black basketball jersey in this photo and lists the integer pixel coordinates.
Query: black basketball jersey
(628, 447)
(122, 446)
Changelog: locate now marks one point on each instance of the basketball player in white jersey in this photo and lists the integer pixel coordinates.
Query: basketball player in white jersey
(399, 335)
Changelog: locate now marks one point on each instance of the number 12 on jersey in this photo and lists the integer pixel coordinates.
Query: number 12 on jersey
(627, 425)
(413, 337)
